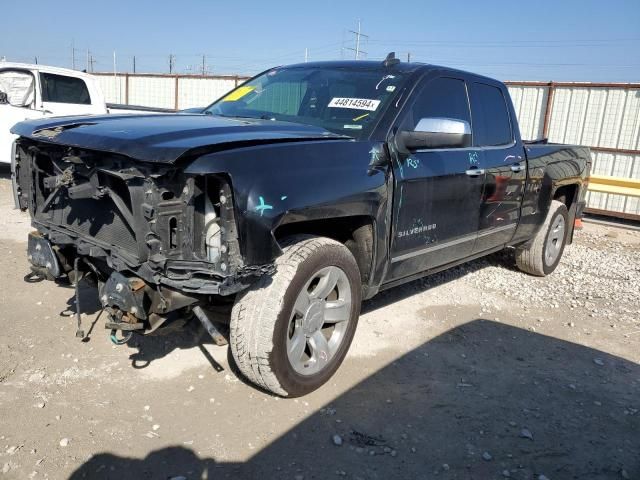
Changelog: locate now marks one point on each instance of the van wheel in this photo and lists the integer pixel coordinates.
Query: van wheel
(290, 331)
(541, 255)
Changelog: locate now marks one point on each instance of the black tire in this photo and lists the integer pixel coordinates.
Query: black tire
(260, 319)
(532, 257)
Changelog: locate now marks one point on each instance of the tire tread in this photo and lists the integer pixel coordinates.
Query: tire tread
(530, 257)
(255, 312)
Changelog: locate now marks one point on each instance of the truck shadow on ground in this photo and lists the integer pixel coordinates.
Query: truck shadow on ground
(483, 400)
(503, 259)
(151, 348)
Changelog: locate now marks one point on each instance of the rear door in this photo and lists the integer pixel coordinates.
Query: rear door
(436, 201)
(66, 95)
(501, 158)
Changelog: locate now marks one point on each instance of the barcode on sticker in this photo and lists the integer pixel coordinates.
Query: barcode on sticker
(354, 103)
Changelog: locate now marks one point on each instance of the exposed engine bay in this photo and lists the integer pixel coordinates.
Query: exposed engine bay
(157, 241)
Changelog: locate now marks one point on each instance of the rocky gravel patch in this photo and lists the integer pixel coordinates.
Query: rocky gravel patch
(597, 276)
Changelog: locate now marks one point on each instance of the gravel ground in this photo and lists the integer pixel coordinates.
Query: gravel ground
(480, 372)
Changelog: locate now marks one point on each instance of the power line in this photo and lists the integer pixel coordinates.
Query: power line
(357, 50)
(510, 41)
(505, 44)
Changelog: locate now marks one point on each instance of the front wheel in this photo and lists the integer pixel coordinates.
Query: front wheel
(291, 331)
(542, 254)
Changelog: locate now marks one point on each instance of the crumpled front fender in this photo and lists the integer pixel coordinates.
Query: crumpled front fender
(294, 182)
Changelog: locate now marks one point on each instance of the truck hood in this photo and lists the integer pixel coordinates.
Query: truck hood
(164, 138)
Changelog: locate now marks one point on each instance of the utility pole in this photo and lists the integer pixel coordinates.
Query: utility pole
(88, 61)
(92, 61)
(204, 65)
(36, 59)
(134, 64)
(408, 57)
(116, 84)
(306, 55)
(358, 49)
(358, 42)
(73, 56)
(172, 59)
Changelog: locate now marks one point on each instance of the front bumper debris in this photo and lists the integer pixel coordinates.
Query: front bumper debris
(44, 261)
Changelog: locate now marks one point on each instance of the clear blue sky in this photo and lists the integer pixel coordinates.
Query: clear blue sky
(537, 40)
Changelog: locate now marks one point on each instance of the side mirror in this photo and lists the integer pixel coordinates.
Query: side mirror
(3, 98)
(438, 132)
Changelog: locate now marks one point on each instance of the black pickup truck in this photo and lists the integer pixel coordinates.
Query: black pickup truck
(290, 200)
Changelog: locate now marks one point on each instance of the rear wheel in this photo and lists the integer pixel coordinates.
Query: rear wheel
(291, 331)
(541, 255)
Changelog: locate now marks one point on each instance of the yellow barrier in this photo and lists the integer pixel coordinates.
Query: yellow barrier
(616, 185)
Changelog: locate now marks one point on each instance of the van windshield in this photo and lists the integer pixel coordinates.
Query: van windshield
(348, 101)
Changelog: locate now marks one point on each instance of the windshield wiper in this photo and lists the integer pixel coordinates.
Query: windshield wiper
(263, 117)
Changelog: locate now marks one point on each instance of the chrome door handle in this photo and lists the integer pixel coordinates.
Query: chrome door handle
(475, 172)
(517, 167)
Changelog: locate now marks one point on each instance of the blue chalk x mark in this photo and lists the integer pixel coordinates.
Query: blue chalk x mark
(263, 206)
(375, 154)
(413, 162)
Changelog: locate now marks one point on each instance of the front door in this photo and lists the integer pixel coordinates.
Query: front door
(504, 164)
(19, 98)
(437, 193)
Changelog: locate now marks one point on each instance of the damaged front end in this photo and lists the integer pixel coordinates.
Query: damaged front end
(158, 241)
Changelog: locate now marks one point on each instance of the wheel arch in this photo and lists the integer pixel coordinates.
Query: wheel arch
(355, 232)
(568, 194)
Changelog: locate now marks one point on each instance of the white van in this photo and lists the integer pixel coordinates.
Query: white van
(35, 91)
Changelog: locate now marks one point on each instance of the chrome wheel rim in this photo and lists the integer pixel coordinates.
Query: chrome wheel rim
(555, 239)
(319, 320)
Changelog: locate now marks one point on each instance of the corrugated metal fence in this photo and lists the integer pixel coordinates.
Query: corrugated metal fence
(165, 91)
(604, 116)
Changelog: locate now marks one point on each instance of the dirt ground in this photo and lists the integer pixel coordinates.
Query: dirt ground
(480, 372)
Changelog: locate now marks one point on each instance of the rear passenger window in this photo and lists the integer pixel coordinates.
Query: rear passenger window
(491, 125)
(63, 89)
(442, 97)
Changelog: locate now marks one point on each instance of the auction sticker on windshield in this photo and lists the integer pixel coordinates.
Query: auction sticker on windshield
(238, 93)
(354, 103)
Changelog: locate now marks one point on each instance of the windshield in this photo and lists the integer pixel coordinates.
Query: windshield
(347, 101)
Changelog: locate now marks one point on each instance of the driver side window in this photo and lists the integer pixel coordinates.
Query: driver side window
(18, 86)
(442, 97)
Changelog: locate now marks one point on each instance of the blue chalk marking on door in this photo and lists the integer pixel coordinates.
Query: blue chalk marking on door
(263, 206)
